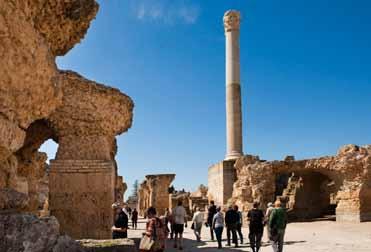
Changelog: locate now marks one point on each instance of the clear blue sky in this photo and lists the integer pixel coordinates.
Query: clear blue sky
(306, 79)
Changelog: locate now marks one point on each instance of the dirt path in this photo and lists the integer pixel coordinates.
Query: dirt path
(322, 236)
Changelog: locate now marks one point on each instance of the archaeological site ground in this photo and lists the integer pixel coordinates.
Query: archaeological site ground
(65, 204)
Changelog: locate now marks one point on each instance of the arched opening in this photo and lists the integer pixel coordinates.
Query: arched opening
(49, 147)
(307, 194)
(33, 165)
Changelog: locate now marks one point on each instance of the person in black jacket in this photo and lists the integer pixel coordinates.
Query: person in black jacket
(120, 228)
(256, 226)
(231, 221)
(210, 215)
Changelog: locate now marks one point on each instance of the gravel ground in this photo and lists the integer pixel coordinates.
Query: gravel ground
(324, 236)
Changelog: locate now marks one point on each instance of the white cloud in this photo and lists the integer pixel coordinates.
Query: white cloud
(166, 11)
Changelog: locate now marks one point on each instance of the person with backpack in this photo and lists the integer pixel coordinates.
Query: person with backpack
(256, 227)
(156, 231)
(120, 227)
(134, 218)
(277, 226)
(211, 211)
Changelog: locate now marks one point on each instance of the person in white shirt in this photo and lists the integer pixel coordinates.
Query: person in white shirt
(180, 220)
(268, 213)
(197, 221)
(218, 225)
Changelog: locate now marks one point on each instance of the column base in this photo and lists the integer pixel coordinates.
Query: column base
(233, 156)
(221, 177)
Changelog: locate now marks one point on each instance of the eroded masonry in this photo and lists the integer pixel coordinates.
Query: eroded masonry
(40, 102)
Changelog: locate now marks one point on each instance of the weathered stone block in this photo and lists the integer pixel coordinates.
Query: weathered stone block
(81, 200)
(221, 177)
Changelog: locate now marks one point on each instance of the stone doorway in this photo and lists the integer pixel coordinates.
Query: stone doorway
(308, 195)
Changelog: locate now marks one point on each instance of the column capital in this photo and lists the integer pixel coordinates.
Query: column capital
(231, 20)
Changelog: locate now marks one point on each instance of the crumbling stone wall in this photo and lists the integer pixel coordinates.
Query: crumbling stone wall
(154, 192)
(182, 196)
(343, 178)
(39, 102)
(199, 199)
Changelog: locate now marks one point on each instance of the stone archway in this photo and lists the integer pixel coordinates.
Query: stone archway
(349, 170)
(308, 194)
(32, 169)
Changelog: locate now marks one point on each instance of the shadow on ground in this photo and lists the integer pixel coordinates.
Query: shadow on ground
(193, 245)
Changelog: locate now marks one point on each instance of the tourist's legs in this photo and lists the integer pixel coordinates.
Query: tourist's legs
(239, 231)
(175, 240)
(258, 241)
(218, 234)
(171, 231)
(211, 232)
(280, 240)
(252, 240)
(234, 236)
(229, 235)
(181, 241)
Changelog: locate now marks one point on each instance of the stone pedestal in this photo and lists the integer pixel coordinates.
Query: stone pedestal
(221, 177)
(81, 195)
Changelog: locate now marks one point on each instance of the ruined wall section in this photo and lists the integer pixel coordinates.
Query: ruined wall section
(348, 170)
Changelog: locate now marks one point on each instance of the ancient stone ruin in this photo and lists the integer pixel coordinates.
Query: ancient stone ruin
(310, 188)
(40, 102)
(154, 192)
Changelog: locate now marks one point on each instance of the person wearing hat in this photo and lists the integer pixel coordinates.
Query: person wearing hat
(268, 213)
(120, 227)
(277, 226)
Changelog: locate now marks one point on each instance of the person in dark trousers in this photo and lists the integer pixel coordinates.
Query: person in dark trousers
(256, 226)
(120, 228)
(231, 220)
(217, 224)
(277, 226)
(239, 223)
(134, 218)
(210, 215)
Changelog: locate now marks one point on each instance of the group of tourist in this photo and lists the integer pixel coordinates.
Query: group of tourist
(173, 222)
(275, 220)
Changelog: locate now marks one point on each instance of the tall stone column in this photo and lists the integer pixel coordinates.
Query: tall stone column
(231, 21)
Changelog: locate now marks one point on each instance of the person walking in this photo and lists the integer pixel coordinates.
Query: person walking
(155, 229)
(268, 213)
(167, 219)
(218, 226)
(120, 227)
(197, 221)
(277, 226)
(179, 214)
(231, 220)
(134, 218)
(256, 227)
(239, 223)
(211, 211)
